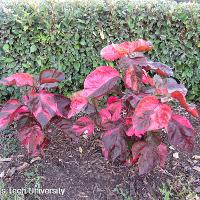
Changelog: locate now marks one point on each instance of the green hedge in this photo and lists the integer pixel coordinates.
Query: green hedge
(69, 37)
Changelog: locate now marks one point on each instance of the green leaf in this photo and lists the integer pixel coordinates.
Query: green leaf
(33, 48)
(6, 48)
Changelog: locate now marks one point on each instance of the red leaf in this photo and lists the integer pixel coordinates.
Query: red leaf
(51, 76)
(45, 106)
(169, 87)
(100, 81)
(136, 149)
(182, 100)
(63, 105)
(148, 160)
(115, 51)
(180, 133)
(32, 137)
(160, 68)
(114, 144)
(105, 115)
(146, 79)
(133, 99)
(112, 111)
(65, 125)
(8, 112)
(18, 79)
(135, 60)
(112, 99)
(133, 78)
(149, 154)
(162, 152)
(83, 124)
(21, 112)
(149, 115)
(78, 104)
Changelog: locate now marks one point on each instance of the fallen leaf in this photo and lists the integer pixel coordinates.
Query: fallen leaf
(35, 159)
(196, 157)
(10, 172)
(172, 148)
(5, 159)
(176, 155)
(197, 168)
(25, 165)
(2, 174)
(80, 150)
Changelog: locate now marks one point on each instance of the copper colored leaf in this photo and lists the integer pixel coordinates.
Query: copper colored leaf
(149, 115)
(21, 112)
(83, 124)
(162, 153)
(182, 100)
(169, 87)
(137, 59)
(31, 136)
(137, 147)
(78, 104)
(133, 78)
(160, 68)
(146, 79)
(180, 133)
(65, 125)
(112, 111)
(114, 144)
(148, 160)
(63, 105)
(100, 81)
(44, 107)
(115, 51)
(18, 79)
(51, 76)
(8, 112)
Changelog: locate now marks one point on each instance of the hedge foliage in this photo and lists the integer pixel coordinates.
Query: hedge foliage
(69, 36)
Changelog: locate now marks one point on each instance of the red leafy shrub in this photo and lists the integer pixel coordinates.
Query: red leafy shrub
(36, 109)
(137, 109)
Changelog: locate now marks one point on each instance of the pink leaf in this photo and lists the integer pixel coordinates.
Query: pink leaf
(133, 77)
(169, 87)
(51, 76)
(160, 68)
(45, 106)
(162, 152)
(136, 150)
(114, 144)
(78, 104)
(138, 59)
(149, 115)
(65, 126)
(146, 79)
(32, 137)
(83, 124)
(180, 133)
(182, 100)
(8, 112)
(115, 51)
(112, 111)
(100, 81)
(148, 160)
(18, 79)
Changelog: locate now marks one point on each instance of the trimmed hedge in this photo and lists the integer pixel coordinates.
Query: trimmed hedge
(69, 37)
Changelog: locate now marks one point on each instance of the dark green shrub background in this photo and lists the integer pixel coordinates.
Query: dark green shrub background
(69, 37)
